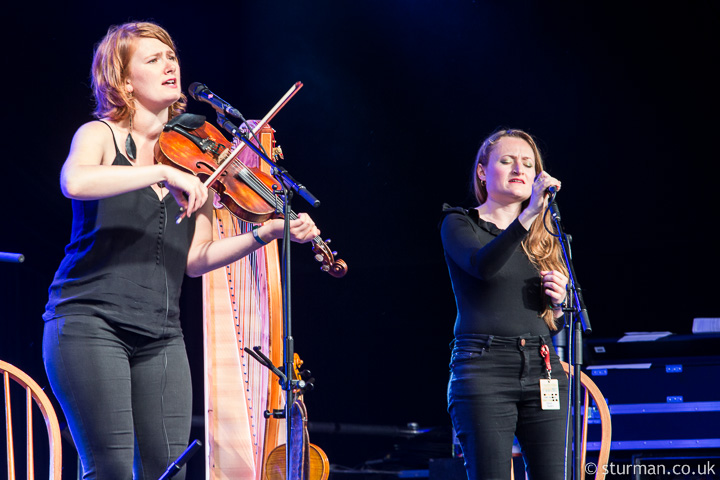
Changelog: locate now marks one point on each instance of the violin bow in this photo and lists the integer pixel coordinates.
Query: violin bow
(273, 111)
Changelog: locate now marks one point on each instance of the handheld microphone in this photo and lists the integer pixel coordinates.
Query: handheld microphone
(202, 93)
(552, 204)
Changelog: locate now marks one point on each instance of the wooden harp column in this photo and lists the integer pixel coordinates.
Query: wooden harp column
(242, 307)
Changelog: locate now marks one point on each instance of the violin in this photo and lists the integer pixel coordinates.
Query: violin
(193, 145)
(309, 460)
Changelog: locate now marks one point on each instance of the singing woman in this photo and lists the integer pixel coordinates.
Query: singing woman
(509, 284)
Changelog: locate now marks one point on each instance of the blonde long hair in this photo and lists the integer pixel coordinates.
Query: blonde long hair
(542, 249)
(110, 69)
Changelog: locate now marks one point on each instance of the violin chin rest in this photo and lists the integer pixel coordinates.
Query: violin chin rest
(188, 121)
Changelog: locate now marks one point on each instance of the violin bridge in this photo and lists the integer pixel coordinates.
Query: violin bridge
(222, 156)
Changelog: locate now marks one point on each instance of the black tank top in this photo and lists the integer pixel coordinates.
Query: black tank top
(125, 261)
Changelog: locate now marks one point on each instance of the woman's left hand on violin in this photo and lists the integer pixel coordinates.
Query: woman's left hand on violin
(302, 229)
(554, 284)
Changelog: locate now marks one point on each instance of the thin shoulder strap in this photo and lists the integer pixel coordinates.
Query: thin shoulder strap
(117, 150)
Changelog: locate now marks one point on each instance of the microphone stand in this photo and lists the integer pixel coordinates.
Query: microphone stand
(278, 172)
(578, 320)
(12, 257)
(177, 465)
(286, 193)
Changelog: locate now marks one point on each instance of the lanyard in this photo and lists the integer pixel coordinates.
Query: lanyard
(545, 354)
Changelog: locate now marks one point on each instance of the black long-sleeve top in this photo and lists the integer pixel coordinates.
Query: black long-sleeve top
(497, 289)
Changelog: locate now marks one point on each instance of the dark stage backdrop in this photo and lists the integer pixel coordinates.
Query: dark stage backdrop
(397, 97)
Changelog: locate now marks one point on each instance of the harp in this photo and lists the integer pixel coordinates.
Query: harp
(242, 307)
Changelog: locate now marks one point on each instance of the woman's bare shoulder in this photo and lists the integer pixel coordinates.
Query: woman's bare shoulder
(92, 144)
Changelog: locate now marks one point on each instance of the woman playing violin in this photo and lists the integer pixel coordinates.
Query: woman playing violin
(113, 346)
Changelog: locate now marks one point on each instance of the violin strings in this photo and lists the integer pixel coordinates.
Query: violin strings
(249, 177)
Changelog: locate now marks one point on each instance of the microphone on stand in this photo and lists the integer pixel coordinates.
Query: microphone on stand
(202, 93)
(552, 205)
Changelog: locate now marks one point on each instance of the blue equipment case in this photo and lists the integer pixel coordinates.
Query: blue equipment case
(663, 394)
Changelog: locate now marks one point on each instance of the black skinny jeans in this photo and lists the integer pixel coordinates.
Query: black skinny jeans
(494, 395)
(126, 397)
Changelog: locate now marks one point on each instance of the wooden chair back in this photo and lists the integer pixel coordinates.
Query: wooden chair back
(33, 395)
(592, 391)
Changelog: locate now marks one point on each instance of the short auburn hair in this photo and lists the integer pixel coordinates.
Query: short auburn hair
(110, 69)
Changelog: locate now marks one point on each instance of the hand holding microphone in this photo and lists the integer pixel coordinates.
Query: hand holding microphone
(551, 192)
(553, 185)
(543, 186)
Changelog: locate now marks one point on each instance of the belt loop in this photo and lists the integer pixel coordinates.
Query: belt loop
(489, 341)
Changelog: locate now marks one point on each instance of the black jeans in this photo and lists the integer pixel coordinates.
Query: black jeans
(494, 395)
(126, 397)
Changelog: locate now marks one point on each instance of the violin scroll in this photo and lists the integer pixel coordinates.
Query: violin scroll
(323, 254)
